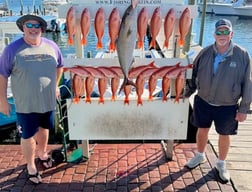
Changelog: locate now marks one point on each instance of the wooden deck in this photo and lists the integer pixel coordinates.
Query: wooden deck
(239, 160)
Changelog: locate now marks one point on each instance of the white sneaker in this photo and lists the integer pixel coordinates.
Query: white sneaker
(222, 171)
(195, 161)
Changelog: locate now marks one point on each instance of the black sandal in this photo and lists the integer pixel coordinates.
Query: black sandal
(48, 163)
(35, 179)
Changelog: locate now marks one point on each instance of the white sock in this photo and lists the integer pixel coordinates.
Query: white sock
(221, 162)
(201, 154)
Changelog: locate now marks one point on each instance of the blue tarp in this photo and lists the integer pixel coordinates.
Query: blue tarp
(5, 120)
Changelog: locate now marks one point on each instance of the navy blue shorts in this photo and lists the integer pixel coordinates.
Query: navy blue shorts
(28, 123)
(222, 116)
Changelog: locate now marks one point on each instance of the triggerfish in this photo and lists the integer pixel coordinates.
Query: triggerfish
(126, 42)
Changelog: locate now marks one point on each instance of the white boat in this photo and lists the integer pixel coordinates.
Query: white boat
(240, 8)
(51, 6)
(244, 11)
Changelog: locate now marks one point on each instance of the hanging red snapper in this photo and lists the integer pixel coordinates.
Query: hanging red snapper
(71, 24)
(169, 24)
(184, 25)
(114, 26)
(126, 42)
(85, 25)
(99, 24)
(142, 22)
(155, 25)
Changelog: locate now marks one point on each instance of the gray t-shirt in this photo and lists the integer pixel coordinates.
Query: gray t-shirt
(33, 74)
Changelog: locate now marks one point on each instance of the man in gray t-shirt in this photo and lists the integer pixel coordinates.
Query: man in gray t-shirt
(35, 65)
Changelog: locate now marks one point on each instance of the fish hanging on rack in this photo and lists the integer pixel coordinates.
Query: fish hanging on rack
(78, 87)
(140, 81)
(102, 86)
(135, 71)
(85, 23)
(71, 24)
(142, 23)
(127, 90)
(89, 84)
(155, 25)
(99, 24)
(184, 25)
(159, 74)
(169, 24)
(165, 88)
(113, 26)
(126, 42)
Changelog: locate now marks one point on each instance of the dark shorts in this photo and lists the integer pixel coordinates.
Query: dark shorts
(28, 123)
(222, 116)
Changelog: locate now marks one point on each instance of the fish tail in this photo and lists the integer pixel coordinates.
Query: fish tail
(88, 99)
(126, 101)
(99, 45)
(101, 100)
(166, 44)
(153, 43)
(139, 101)
(126, 81)
(84, 41)
(70, 41)
(113, 98)
(150, 97)
(181, 42)
(76, 100)
(164, 99)
(111, 47)
(140, 44)
(176, 100)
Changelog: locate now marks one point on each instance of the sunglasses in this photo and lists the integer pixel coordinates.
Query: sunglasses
(30, 25)
(225, 32)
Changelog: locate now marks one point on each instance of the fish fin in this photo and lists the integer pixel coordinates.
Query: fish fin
(166, 44)
(126, 81)
(99, 45)
(70, 41)
(140, 44)
(76, 100)
(84, 41)
(164, 99)
(126, 101)
(181, 42)
(139, 101)
(111, 47)
(150, 98)
(101, 100)
(176, 100)
(88, 99)
(153, 44)
(152, 64)
(113, 98)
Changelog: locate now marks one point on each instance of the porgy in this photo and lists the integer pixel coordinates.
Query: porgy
(126, 42)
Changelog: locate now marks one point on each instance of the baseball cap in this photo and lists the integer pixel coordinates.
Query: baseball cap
(20, 22)
(223, 23)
